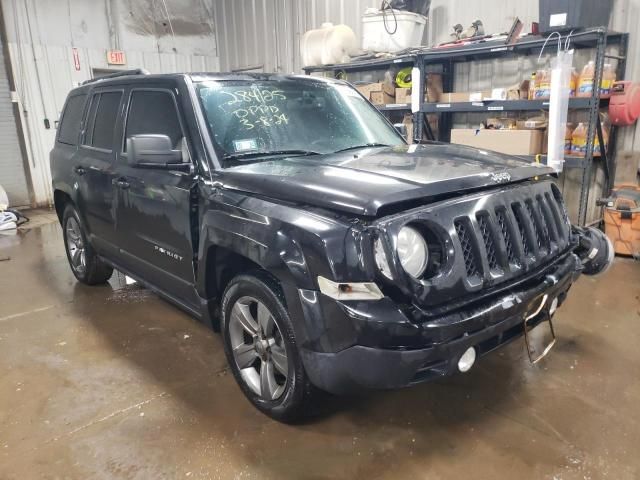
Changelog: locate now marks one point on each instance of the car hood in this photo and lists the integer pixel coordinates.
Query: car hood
(362, 181)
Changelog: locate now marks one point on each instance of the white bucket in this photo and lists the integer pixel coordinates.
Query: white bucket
(410, 28)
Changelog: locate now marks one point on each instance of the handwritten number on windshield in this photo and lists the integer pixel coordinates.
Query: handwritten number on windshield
(255, 107)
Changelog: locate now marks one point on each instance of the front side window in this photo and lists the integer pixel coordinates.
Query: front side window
(247, 119)
(71, 119)
(153, 112)
(101, 127)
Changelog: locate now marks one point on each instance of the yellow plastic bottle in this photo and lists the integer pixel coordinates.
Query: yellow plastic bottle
(585, 82)
(532, 86)
(579, 140)
(573, 83)
(543, 84)
(567, 138)
(608, 78)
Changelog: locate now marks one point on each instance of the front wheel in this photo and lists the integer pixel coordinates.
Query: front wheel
(87, 267)
(261, 349)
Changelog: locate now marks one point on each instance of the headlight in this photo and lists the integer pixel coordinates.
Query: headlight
(381, 259)
(412, 251)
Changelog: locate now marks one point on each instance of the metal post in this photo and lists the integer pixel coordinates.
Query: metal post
(594, 111)
(613, 147)
(417, 116)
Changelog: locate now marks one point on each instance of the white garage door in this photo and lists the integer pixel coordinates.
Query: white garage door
(12, 176)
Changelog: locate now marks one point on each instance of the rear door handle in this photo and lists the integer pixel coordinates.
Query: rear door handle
(79, 170)
(122, 183)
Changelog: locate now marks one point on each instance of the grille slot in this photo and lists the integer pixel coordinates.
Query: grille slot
(560, 204)
(527, 248)
(487, 238)
(547, 218)
(471, 265)
(539, 230)
(558, 214)
(506, 236)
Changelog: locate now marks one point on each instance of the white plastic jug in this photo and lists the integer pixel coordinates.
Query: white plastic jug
(328, 44)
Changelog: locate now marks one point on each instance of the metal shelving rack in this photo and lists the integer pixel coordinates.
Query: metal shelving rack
(447, 59)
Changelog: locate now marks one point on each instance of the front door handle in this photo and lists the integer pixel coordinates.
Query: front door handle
(122, 183)
(79, 170)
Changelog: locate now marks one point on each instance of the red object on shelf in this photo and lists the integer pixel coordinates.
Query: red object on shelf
(624, 106)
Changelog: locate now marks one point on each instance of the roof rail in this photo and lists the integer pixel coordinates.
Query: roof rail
(135, 71)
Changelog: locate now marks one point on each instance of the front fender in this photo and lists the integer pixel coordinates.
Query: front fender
(292, 244)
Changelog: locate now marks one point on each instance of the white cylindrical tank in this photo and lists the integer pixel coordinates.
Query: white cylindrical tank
(328, 44)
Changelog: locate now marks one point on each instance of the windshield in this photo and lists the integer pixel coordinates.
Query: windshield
(264, 119)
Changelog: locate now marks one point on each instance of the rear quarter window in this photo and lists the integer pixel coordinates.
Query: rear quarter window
(71, 120)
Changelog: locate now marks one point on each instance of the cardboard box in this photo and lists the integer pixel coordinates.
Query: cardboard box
(366, 89)
(434, 87)
(403, 95)
(408, 123)
(433, 91)
(381, 98)
(511, 142)
(500, 123)
(532, 124)
(519, 91)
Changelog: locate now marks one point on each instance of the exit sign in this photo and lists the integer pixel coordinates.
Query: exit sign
(116, 57)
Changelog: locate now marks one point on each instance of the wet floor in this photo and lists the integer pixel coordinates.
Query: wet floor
(112, 382)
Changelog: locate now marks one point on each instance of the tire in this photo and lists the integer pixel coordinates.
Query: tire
(86, 266)
(289, 398)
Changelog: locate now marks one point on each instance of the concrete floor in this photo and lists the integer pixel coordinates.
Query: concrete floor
(112, 382)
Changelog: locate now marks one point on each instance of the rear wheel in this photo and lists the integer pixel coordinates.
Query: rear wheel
(261, 348)
(87, 267)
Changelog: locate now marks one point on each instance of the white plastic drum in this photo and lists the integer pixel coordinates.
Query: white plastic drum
(328, 44)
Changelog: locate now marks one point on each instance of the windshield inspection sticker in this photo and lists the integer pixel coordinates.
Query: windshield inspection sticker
(245, 145)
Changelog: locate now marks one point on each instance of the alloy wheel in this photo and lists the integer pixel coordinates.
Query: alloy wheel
(75, 246)
(258, 348)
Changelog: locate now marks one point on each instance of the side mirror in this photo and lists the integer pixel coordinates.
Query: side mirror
(153, 151)
(401, 128)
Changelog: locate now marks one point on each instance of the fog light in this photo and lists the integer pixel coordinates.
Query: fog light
(467, 360)
(553, 306)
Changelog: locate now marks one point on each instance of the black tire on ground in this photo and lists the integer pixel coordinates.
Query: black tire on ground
(88, 268)
(295, 393)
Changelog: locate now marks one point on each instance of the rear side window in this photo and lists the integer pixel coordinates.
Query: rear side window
(153, 111)
(71, 119)
(100, 129)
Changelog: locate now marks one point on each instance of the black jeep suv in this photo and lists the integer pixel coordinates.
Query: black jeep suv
(288, 213)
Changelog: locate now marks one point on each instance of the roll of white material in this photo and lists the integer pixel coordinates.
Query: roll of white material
(328, 44)
(4, 199)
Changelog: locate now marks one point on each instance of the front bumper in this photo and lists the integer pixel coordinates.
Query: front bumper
(356, 345)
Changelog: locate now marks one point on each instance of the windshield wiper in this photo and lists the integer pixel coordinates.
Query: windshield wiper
(366, 145)
(272, 153)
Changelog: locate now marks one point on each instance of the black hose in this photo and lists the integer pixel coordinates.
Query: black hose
(384, 16)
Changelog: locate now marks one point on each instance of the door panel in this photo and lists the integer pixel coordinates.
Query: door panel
(94, 169)
(153, 217)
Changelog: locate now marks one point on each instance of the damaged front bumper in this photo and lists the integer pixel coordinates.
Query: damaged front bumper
(358, 344)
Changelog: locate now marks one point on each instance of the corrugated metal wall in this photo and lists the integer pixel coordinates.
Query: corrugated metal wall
(266, 33)
(41, 35)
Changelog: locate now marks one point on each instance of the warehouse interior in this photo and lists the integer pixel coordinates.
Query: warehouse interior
(118, 376)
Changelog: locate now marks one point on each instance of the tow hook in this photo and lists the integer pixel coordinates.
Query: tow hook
(594, 250)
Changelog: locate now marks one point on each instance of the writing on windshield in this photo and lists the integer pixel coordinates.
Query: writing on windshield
(255, 106)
